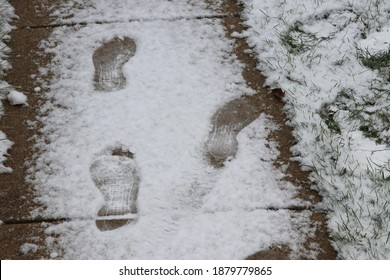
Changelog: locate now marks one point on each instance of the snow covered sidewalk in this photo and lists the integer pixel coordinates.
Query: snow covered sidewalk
(149, 121)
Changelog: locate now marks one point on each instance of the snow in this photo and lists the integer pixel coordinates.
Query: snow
(5, 88)
(27, 248)
(5, 144)
(17, 98)
(309, 49)
(182, 72)
(6, 14)
(90, 11)
(377, 41)
(218, 235)
(53, 255)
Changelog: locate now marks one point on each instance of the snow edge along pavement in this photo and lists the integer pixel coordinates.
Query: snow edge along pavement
(6, 15)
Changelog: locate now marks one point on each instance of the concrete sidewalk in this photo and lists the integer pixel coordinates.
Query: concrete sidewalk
(17, 195)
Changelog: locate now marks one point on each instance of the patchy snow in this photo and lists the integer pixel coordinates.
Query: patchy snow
(6, 14)
(89, 11)
(377, 41)
(15, 97)
(5, 144)
(337, 104)
(5, 88)
(182, 235)
(27, 248)
(182, 72)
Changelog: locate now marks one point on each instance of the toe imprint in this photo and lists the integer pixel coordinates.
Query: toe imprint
(223, 143)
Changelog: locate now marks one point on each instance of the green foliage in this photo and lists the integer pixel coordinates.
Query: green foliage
(379, 61)
(297, 41)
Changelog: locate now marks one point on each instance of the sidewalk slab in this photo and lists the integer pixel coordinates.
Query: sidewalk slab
(182, 71)
(38, 13)
(197, 236)
(166, 81)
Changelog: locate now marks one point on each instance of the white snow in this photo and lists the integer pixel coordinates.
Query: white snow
(53, 255)
(182, 72)
(183, 235)
(17, 98)
(27, 248)
(90, 11)
(310, 49)
(6, 14)
(5, 145)
(5, 88)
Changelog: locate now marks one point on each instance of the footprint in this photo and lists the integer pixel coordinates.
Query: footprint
(228, 121)
(117, 178)
(108, 60)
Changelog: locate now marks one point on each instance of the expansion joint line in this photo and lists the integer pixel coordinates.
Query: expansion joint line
(54, 25)
(69, 219)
